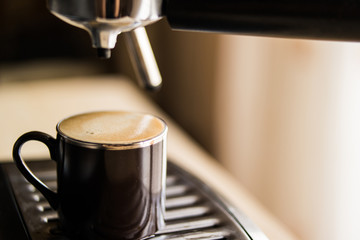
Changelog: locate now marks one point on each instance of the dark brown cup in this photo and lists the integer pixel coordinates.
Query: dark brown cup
(110, 188)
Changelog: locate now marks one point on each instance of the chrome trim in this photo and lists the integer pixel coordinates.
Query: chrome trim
(188, 212)
(176, 190)
(190, 225)
(143, 59)
(105, 19)
(111, 146)
(252, 231)
(207, 234)
(181, 201)
(203, 214)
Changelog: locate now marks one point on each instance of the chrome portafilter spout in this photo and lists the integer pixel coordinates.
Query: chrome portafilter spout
(106, 19)
(143, 59)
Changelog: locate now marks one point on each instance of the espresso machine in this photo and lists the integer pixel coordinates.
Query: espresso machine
(194, 210)
(104, 20)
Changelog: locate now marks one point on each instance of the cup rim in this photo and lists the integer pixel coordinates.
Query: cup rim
(114, 146)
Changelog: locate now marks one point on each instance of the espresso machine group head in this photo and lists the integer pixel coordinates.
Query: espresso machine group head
(105, 19)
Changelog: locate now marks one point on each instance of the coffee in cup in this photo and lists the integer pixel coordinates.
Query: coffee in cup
(111, 170)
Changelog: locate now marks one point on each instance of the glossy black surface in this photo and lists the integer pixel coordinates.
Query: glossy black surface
(50, 142)
(317, 19)
(11, 223)
(103, 192)
(109, 192)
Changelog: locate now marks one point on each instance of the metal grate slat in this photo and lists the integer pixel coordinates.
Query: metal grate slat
(190, 213)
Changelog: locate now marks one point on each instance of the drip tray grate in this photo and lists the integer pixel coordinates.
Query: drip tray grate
(193, 211)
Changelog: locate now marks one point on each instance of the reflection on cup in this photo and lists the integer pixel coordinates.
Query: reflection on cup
(111, 170)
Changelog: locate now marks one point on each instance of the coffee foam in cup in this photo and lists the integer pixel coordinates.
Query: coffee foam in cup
(112, 127)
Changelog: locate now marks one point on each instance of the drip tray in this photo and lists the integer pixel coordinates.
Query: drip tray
(193, 211)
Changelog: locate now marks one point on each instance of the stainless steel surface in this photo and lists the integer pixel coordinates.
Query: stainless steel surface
(105, 19)
(187, 212)
(202, 234)
(193, 211)
(182, 201)
(142, 58)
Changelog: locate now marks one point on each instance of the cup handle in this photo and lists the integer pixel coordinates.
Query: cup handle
(50, 142)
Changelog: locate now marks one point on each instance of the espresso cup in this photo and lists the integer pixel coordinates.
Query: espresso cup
(111, 169)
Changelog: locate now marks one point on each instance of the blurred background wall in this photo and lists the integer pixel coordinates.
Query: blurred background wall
(282, 115)
(287, 125)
